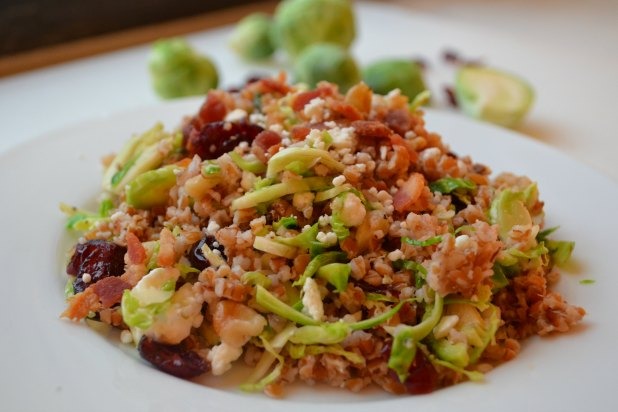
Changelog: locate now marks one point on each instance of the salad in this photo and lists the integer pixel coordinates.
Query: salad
(315, 236)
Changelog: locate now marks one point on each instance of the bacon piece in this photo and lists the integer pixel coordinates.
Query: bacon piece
(299, 132)
(303, 98)
(370, 182)
(346, 110)
(398, 140)
(266, 139)
(135, 249)
(409, 193)
(359, 96)
(272, 150)
(271, 85)
(166, 257)
(109, 290)
(350, 247)
(212, 110)
(399, 120)
(371, 128)
(82, 304)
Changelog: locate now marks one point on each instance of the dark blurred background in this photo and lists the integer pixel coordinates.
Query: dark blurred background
(30, 24)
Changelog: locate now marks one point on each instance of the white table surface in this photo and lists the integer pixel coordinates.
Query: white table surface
(565, 49)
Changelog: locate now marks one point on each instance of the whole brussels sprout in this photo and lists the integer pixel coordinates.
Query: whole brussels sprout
(252, 38)
(386, 75)
(176, 70)
(300, 23)
(325, 61)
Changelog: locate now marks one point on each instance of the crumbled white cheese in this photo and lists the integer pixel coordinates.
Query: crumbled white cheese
(312, 300)
(86, 277)
(222, 356)
(328, 238)
(126, 336)
(344, 137)
(353, 211)
(257, 118)
(338, 180)
(393, 94)
(182, 314)
(324, 220)
(302, 200)
(315, 110)
(383, 152)
(466, 243)
(395, 255)
(275, 127)
(212, 228)
(427, 154)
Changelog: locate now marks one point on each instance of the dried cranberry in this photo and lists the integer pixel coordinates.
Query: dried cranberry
(451, 56)
(176, 360)
(255, 78)
(450, 96)
(422, 377)
(217, 138)
(196, 256)
(98, 258)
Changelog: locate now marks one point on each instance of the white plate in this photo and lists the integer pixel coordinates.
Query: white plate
(52, 364)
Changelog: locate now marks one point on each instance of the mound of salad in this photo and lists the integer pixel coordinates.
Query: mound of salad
(315, 236)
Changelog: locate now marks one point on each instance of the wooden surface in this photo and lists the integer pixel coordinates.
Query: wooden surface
(30, 60)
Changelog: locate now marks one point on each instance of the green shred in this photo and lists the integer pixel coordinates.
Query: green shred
(499, 278)
(560, 251)
(69, 290)
(299, 351)
(378, 297)
(303, 240)
(262, 182)
(257, 381)
(338, 227)
(336, 274)
(256, 278)
(419, 271)
(406, 339)
(106, 206)
(254, 165)
(474, 376)
(278, 190)
(447, 185)
(209, 169)
(265, 299)
(423, 243)
(288, 222)
(303, 159)
(544, 234)
(317, 262)
(81, 220)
